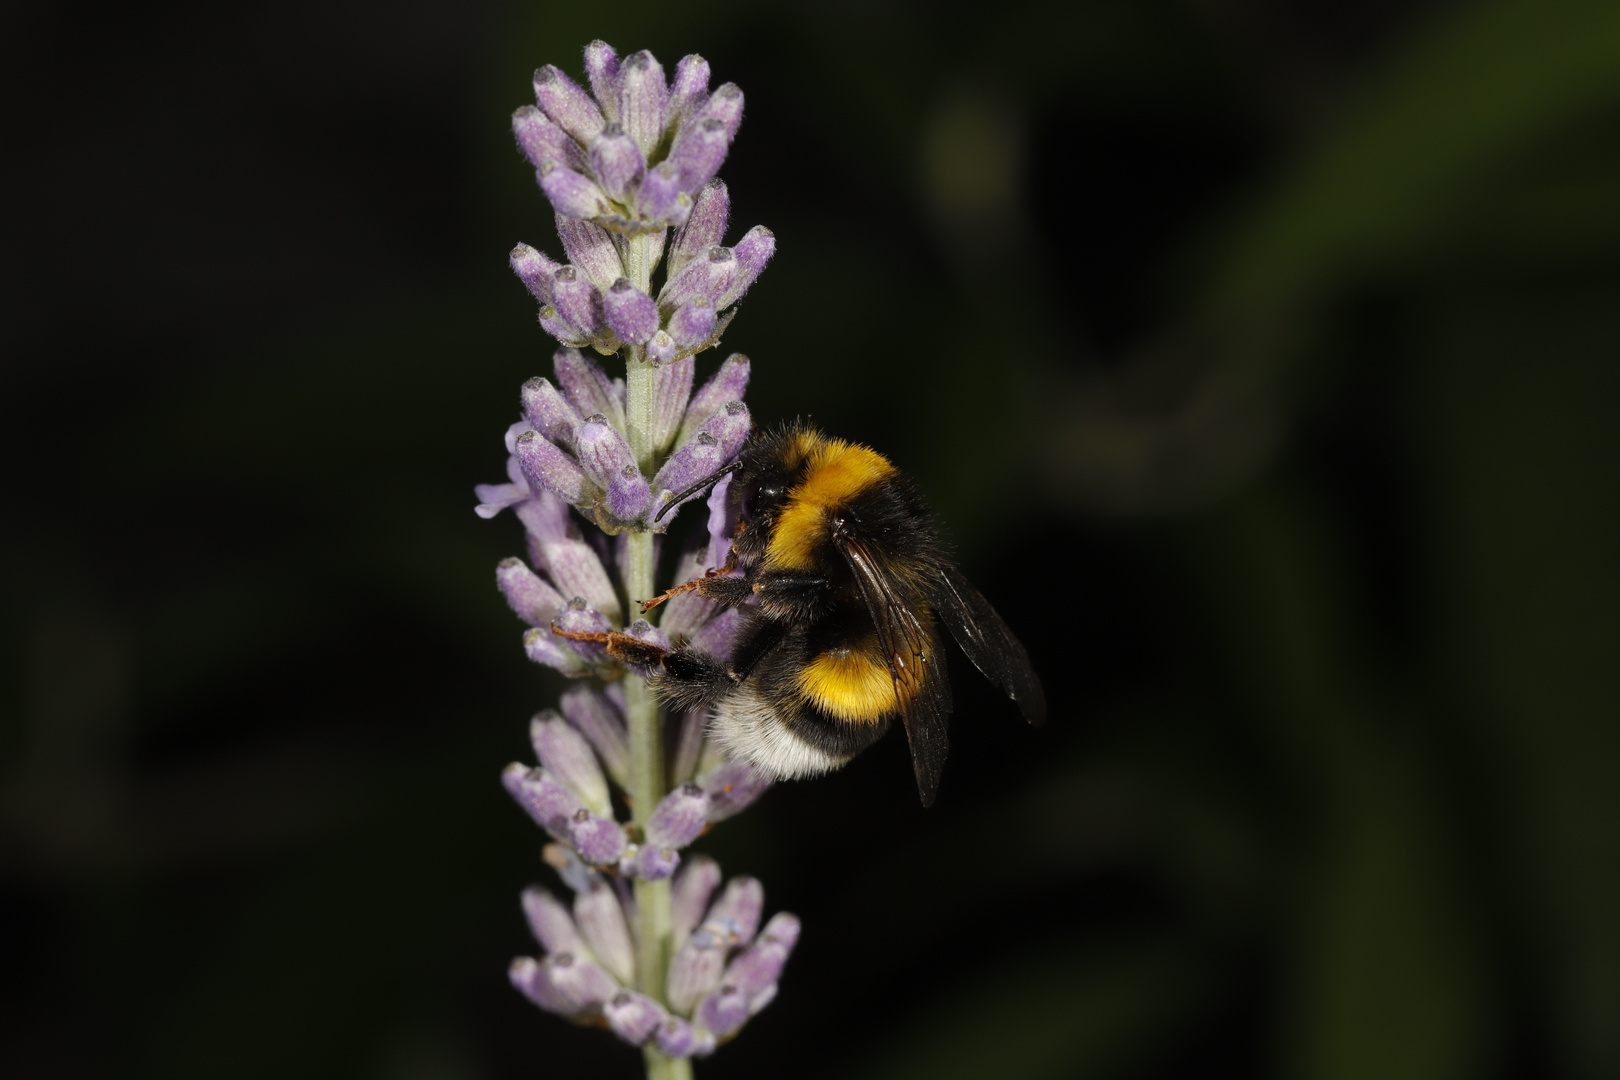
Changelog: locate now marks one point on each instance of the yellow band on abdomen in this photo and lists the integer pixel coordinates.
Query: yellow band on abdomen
(850, 686)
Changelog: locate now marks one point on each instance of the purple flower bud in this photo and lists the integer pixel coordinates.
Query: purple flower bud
(631, 314)
(544, 647)
(551, 923)
(549, 803)
(723, 521)
(590, 248)
(661, 197)
(567, 104)
(532, 979)
(618, 163)
(530, 595)
(723, 1011)
(598, 840)
(544, 143)
(783, 928)
(728, 384)
(724, 105)
(642, 99)
(679, 818)
(753, 252)
(709, 276)
(546, 466)
(655, 863)
(634, 1017)
(576, 571)
(628, 496)
(602, 67)
(535, 270)
(740, 906)
(581, 981)
(603, 452)
(693, 323)
(672, 387)
(587, 387)
(545, 517)
(732, 787)
(695, 459)
(756, 967)
(573, 194)
(549, 413)
(675, 1038)
(580, 618)
(730, 425)
(567, 756)
(698, 154)
(689, 89)
(603, 727)
(602, 923)
(705, 226)
(560, 328)
(688, 738)
(661, 348)
(642, 630)
(576, 299)
(689, 896)
(695, 969)
(759, 1000)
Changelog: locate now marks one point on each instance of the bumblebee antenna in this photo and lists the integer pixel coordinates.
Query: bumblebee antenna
(705, 484)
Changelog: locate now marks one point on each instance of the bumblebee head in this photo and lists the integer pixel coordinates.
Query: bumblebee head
(770, 465)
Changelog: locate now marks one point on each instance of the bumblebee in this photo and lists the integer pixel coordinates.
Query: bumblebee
(844, 587)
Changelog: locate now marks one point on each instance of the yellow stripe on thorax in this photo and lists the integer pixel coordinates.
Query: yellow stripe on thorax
(835, 472)
(850, 685)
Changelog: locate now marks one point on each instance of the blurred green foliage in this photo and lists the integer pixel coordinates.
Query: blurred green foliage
(1260, 358)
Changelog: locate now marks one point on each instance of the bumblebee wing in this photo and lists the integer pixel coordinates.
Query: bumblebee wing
(988, 643)
(916, 663)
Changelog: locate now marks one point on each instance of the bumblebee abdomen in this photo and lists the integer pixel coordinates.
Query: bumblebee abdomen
(850, 685)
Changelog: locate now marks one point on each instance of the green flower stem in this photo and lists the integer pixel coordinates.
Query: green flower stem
(647, 770)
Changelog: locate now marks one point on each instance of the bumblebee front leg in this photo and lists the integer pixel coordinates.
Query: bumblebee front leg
(622, 647)
(695, 585)
(683, 678)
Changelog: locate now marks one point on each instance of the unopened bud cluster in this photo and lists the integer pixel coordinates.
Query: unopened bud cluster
(637, 158)
(723, 971)
(571, 441)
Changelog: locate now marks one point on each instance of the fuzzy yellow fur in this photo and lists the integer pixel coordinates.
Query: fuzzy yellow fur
(835, 472)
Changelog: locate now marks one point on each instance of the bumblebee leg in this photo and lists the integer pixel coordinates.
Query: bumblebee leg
(725, 591)
(793, 594)
(688, 679)
(621, 647)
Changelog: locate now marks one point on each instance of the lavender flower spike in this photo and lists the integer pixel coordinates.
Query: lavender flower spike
(623, 156)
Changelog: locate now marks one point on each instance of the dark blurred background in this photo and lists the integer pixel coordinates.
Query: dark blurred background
(1259, 357)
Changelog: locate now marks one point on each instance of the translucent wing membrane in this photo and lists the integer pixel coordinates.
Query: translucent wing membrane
(988, 643)
(915, 661)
